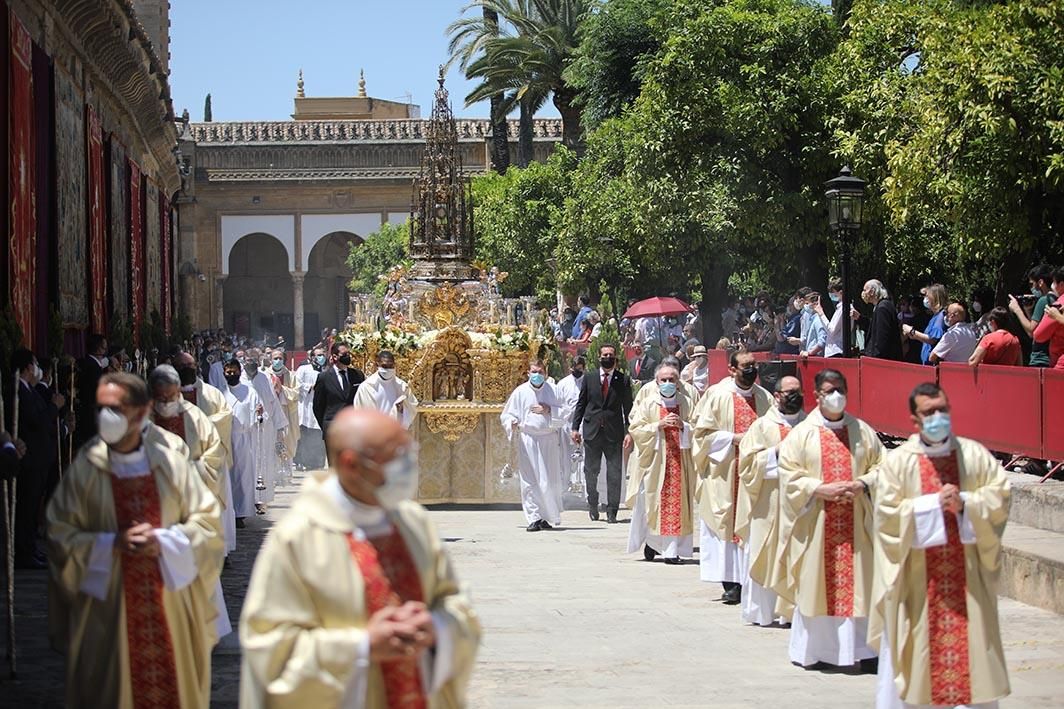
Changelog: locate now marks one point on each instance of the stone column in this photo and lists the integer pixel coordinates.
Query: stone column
(297, 309)
(219, 283)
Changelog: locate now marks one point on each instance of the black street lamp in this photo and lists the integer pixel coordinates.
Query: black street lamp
(845, 197)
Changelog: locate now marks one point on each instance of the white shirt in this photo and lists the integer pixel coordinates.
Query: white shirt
(957, 343)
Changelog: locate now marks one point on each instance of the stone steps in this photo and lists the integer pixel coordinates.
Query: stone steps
(1033, 548)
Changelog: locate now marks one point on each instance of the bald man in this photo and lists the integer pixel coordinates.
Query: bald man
(353, 600)
(757, 504)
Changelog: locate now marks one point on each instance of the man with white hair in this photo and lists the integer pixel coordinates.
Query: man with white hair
(884, 331)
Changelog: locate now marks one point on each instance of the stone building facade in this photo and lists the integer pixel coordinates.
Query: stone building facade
(90, 171)
(270, 208)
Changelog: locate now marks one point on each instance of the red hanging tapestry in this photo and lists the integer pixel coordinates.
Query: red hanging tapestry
(22, 275)
(671, 497)
(947, 595)
(136, 251)
(836, 465)
(164, 239)
(152, 670)
(391, 579)
(97, 225)
(744, 416)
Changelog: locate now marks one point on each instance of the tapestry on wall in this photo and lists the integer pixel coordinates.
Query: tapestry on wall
(71, 201)
(97, 226)
(166, 242)
(152, 252)
(119, 243)
(21, 178)
(136, 251)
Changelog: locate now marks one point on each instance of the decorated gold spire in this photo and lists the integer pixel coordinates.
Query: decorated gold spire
(362, 83)
(299, 86)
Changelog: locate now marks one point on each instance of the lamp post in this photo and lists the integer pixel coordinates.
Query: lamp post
(845, 198)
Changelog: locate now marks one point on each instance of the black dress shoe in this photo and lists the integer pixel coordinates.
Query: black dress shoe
(611, 517)
(649, 553)
(870, 666)
(544, 524)
(240, 523)
(733, 596)
(534, 527)
(672, 560)
(593, 514)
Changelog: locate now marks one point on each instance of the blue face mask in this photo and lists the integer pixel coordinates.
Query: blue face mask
(667, 389)
(1037, 292)
(936, 427)
(227, 356)
(320, 359)
(278, 365)
(834, 297)
(536, 379)
(927, 303)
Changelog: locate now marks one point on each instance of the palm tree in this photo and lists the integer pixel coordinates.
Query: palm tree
(527, 60)
(468, 38)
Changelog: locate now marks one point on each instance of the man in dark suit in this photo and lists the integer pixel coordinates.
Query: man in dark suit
(642, 366)
(90, 369)
(600, 420)
(335, 387)
(36, 426)
(884, 330)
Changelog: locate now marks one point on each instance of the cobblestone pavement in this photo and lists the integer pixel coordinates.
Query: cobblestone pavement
(571, 621)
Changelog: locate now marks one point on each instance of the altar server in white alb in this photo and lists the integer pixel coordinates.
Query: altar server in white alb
(310, 454)
(568, 391)
(723, 416)
(662, 487)
(941, 507)
(828, 466)
(384, 391)
(271, 432)
(527, 416)
(252, 447)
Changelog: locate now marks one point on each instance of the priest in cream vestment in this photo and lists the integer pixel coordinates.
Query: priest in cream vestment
(941, 507)
(757, 511)
(827, 468)
(384, 391)
(723, 415)
(353, 601)
(286, 389)
(661, 490)
(135, 550)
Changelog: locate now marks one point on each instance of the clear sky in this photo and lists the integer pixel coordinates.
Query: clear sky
(247, 54)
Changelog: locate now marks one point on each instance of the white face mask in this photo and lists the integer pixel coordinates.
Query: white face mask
(112, 425)
(400, 480)
(386, 373)
(168, 409)
(38, 374)
(833, 403)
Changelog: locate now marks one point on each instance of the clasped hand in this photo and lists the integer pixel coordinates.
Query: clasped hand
(950, 499)
(403, 631)
(670, 421)
(841, 491)
(138, 540)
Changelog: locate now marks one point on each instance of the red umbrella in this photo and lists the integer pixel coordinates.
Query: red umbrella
(657, 307)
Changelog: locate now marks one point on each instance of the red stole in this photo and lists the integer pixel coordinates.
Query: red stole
(947, 592)
(175, 425)
(190, 396)
(744, 416)
(671, 498)
(836, 465)
(390, 579)
(152, 671)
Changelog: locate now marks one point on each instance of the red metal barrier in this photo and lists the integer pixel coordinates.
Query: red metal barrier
(885, 387)
(997, 406)
(1053, 414)
(809, 367)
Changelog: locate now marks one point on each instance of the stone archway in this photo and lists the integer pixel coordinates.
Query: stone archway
(257, 293)
(325, 294)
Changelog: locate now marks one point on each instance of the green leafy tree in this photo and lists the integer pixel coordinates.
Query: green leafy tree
(387, 247)
(516, 217)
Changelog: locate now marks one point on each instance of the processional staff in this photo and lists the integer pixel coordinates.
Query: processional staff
(9, 520)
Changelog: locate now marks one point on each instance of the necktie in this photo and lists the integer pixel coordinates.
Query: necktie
(605, 385)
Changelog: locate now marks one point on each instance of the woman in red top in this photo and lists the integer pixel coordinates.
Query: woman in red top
(999, 346)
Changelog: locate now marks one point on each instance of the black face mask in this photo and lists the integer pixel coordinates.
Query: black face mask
(344, 359)
(188, 376)
(747, 376)
(607, 362)
(577, 373)
(791, 402)
(232, 379)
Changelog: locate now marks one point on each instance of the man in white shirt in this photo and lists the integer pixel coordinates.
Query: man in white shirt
(959, 340)
(386, 392)
(311, 451)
